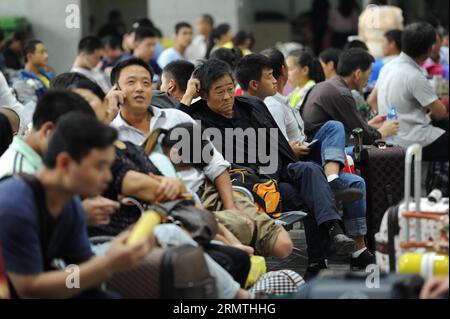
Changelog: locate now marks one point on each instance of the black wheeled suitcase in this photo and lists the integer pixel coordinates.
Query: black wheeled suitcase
(382, 168)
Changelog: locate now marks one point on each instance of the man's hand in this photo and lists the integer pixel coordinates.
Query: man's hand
(435, 288)
(389, 128)
(122, 256)
(299, 149)
(99, 210)
(378, 121)
(113, 100)
(169, 189)
(192, 91)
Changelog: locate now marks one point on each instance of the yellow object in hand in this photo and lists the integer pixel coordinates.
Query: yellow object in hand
(257, 269)
(144, 227)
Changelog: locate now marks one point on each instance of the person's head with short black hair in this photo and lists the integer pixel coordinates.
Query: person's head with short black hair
(204, 25)
(183, 35)
(392, 44)
(254, 74)
(112, 48)
(356, 44)
(145, 40)
(329, 59)
(89, 90)
(278, 62)
(80, 152)
(89, 44)
(244, 40)
(35, 53)
(50, 107)
(90, 51)
(117, 70)
(175, 77)
(230, 56)
(304, 66)
(418, 40)
(143, 22)
(128, 41)
(355, 65)
(181, 25)
(94, 95)
(66, 79)
(134, 78)
(217, 86)
(90, 85)
(6, 133)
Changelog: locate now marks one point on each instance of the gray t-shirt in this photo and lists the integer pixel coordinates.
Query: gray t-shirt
(288, 120)
(403, 84)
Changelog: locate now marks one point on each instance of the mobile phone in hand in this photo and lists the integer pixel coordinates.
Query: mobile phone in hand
(118, 89)
(313, 144)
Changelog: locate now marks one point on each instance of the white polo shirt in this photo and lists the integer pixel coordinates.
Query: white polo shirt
(403, 84)
(167, 119)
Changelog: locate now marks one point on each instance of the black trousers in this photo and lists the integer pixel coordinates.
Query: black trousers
(303, 186)
(235, 261)
(438, 150)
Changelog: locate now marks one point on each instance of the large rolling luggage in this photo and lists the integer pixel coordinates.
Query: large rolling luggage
(382, 168)
(411, 226)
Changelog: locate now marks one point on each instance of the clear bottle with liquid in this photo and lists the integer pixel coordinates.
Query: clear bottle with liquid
(392, 115)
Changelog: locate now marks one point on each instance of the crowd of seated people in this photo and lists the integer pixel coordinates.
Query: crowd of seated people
(115, 127)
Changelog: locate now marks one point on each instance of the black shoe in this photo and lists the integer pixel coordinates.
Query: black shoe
(344, 193)
(344, 245)
(365, 259)
(313, 270)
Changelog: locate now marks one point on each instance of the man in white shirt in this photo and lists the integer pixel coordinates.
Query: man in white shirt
(136, 120)
(90, 51)
(197, 50)
(403, 84)
(183, 38)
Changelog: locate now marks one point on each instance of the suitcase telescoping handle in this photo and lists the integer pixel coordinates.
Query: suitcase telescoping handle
(415, 151)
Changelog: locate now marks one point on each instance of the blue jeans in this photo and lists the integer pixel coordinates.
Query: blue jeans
(331, 146)
(355, 213)
(303, 186)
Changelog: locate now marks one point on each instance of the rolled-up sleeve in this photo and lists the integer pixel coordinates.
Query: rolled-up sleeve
(216, 166)
(422, 90)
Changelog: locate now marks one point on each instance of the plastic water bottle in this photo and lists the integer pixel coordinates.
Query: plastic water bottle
(391, 116)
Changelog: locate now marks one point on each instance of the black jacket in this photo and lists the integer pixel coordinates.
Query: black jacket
(259, 117)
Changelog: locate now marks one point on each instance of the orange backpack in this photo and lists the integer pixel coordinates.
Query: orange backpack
(264, 190)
